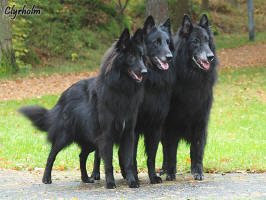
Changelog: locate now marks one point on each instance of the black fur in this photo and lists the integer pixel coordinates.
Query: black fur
(192, 97)
(157, 95)
(98, 112)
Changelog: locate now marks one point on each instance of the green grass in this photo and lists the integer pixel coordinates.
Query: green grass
(237, 132)
(227, 41)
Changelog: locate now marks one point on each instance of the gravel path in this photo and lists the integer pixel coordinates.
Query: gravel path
(67, 185)
(250, 55)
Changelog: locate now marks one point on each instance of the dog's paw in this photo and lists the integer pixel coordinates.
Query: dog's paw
(170, 177)
(47, 180)
(110, 185)
(87, 179)
(198, 176)
(95, 175)
(133, 184)
(124, 174)
(155, 180)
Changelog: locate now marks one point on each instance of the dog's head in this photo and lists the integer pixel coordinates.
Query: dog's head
(158, 42)
(199, 42)
(131, 52)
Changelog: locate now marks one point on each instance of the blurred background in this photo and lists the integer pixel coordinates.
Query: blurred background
(72, 35)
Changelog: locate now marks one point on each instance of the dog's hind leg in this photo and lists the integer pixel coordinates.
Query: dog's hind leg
(151, 144)
(196, 155)
(135, 164)
(57, 146)
(121, 164)
(96, 166)
(164, 166)
(85, 150)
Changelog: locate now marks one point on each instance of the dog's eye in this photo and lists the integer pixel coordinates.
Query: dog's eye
(168, 41)
(159, 41)
(196, 40)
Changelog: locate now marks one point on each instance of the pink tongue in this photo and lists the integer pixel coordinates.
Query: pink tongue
(136, 76)
(206, 65)
(165, 66)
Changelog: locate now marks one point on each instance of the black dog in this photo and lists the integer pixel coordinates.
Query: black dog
(195, 62)
(157, 87)
(98, 112)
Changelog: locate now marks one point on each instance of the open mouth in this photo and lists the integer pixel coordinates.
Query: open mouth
(202, 64)
(136, 77)
(161, 64)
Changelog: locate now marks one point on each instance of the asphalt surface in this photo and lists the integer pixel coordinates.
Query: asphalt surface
(67, 185)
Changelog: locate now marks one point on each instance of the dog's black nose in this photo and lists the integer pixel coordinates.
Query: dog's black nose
(210, 58)
(144, 71)
(169, 57)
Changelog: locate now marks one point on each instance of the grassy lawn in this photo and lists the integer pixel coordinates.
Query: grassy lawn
(237, 132)
(228, 41)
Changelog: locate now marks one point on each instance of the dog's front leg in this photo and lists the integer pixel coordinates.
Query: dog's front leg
(106, 152)
(196, 155)
(126, 155)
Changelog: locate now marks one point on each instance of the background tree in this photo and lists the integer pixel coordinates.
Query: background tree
(205, 4)
(7, 56)
(251, 25)
(121, 8)
(178, 8)
(158, 9)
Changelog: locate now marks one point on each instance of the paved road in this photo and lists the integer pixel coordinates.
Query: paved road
(67, 185)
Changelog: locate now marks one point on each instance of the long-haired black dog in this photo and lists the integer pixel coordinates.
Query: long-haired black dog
(157, 87)
(195, 62)
(98, 112)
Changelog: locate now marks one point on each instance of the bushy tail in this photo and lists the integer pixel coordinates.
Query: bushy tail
(39, 116)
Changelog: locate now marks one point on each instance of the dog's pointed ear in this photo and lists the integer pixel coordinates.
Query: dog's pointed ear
(148, 24)
(138, 36)
(187, 25)
(204, 22)
(123, 39)
(167, 24)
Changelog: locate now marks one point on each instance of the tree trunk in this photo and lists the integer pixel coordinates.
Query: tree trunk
(181, 8)
(251, 25)
(205, 4)
(158, 9)
(7, 56)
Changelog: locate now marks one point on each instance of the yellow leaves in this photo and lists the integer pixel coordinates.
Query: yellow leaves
(3, 159)
(74, 56)
(232, 136)
(188, 160)
(61, 168)
(225, 160)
